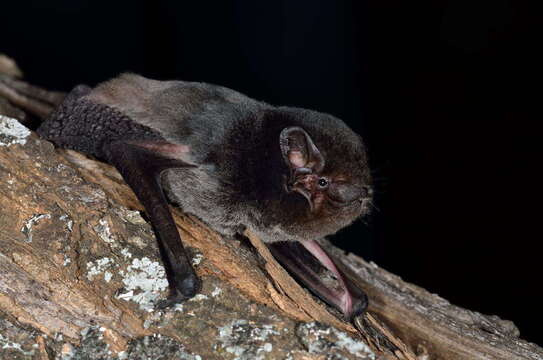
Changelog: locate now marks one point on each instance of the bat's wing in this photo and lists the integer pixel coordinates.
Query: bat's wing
(312, 266)
(141, 164)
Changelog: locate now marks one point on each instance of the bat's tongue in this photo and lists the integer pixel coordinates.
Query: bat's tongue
(311, 265)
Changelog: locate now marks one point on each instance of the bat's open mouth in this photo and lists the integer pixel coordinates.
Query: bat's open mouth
(314, 268)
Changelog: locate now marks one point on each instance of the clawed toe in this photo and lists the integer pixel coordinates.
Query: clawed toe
(172, 300)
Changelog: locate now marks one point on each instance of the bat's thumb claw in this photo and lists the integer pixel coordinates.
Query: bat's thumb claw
(181, 291)
(360, 305)
(189, 286)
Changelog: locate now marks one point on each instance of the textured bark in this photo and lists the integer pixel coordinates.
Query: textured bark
(80, 272)
(80, 269)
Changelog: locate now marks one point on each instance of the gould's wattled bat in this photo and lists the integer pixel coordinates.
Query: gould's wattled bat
(290, 175)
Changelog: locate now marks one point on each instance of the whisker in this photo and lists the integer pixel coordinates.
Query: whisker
(363, 220)
(374, 206)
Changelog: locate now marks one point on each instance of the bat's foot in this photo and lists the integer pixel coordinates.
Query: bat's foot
(181, 291)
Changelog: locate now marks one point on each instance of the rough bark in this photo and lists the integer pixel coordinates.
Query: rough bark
(80, 273)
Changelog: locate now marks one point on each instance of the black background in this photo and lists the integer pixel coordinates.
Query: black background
(444, 94)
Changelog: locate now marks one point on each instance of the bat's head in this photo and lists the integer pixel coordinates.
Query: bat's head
(326, 186)
(326, 165)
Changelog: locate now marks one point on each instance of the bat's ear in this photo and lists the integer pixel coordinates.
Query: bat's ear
(299, 151)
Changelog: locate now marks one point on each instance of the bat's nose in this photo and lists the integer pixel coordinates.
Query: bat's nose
(350, 193)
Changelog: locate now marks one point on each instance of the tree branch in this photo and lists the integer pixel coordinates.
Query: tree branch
(76, 254)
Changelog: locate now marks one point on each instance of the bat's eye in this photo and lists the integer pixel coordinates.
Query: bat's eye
(323, 183)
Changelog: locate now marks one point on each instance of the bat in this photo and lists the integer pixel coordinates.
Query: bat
(291, 175)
